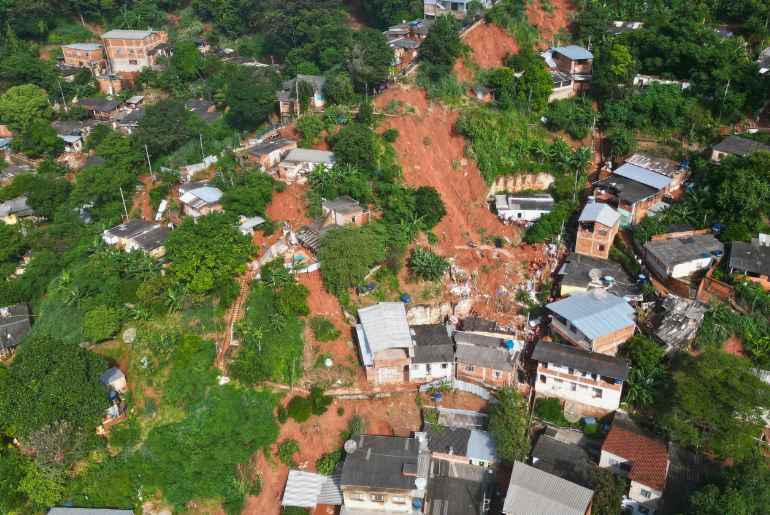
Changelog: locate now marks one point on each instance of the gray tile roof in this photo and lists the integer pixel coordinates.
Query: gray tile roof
(577, 267)
(674, 251)
(270, 146)
(449, 440)
(15, 323)
(598, 212)
(126, 34)
(596, 313)
(432, 344)
(344, 204)
(88, 47)
(98, 104)
(583, 360)
(130, 228)
(474, 323)
(496, 359)
(740, 146)
(17, 206)
(657, 164)
(380, 462)
(565, 460)
(535, 492)
(540, 202)
(457, 496)
(152, 239)
(385, 326)
(747, 257)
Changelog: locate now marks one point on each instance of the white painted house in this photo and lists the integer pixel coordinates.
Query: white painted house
(299, 162)
(434, 354)
(523, 208)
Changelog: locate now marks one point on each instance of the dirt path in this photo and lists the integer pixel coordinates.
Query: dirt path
(141, 201)
(234, 314)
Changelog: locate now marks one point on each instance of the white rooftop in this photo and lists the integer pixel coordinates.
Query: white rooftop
(88, 47)
(127, 34)
(599, 212)
(385, 326)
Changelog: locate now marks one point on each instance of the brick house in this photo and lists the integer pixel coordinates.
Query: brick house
(343, 211)
(572, 374)
(597, 227)
(200, 199)
(130, 51)
(267, 155)
(489, 359)
(642, 185)
(736, 146)
(596, 321)
(99, 108)
(85, 55)
(643, 459)
(434, 353)
(138, 235)
(385, 342)
(571, 69)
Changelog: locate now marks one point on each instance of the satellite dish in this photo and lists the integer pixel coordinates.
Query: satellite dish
(350, 446)
(420, 483)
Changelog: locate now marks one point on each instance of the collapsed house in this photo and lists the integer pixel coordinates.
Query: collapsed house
(680, 322)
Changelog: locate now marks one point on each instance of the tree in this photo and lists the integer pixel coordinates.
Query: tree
(50, 381)
(347, 254)
(717, 403)
(369, 59)
(508, 425)
(429, 207)
(310, 127)
(166, 126)
(249, 194)
(620, 142)
(609, 491)
(207, 252)
(338, 88)
(614, 68)
(187, 61)
(251, 99)
(356, 145)
(21, 105)
(533, 85)
(38, 139)
(383, 13)
(427, 264)
(442, 46)
(101, 323)
(647, 370)
(743, 489)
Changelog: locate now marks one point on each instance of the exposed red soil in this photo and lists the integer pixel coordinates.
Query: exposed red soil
(289, 206)
(142, 199)
(734, 346)
(398, 415)
(549, 24)
(490, 45)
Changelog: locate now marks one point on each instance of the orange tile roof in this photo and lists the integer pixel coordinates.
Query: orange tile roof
(648, 456)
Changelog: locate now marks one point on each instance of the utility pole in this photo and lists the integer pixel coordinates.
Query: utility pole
(299, 102)
(149, 164)
(125, 209)
(63, 100)
(200, 138)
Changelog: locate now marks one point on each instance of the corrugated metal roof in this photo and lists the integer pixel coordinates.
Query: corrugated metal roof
(642, 175)
(385, 326)
(481, 446)
(363, 347)
(583, 360)
(306, 490)
(599, 212)
(208, 194)
(88, 47)
(574, 52)
(535, 492)
(126, 34)
(596, 313)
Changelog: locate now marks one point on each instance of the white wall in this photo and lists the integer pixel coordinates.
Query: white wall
(419, 371)
(689, 268)
(584, 394)
(529, 215)
(635, 494)
(362, 500)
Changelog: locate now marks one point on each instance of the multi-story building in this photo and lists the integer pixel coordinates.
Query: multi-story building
(596, 321)
(572, 374)
(643, 459)
(434, 353)
(489, 359)
(385, 342)
(571, 70)
(131, 51)
(85, 55)
(597, 227)
(384, 474)
(532, 490)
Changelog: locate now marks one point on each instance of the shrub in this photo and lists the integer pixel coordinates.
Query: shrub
(318, 401)
(101, 323)
(340, 411)
(327, 463)
(427, 265)
(323, 329)
(574, 116)
(310, 127)
(300, 408)
(355, 427)
(550, 410)
(286, 451)
(282, 414)
(390, 135)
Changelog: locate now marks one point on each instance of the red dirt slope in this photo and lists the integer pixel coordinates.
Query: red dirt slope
(489, 47)
(550, 24)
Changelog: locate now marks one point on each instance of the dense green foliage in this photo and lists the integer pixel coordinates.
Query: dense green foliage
(609, 490)
(300, 408)
(575, 116)
(348, 253)
(743, 489)
(648, 371)
(508, 425)
(323, 329)
(427, 265)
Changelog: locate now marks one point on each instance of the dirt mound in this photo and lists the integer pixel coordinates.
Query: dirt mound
(550, 23)
(289, 206)
(489, 47)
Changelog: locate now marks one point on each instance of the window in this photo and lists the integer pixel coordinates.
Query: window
(601, 248)
(571, 371)
(398, 499)
(645, 493)
(469, 368)
(594, 376)
(377, 498)
(357, 496)
(133, 61)
(518, 215)
(543, 379)
(445, 365)
(573, 387)
(545, 365)
(597, 393)
(498, 374)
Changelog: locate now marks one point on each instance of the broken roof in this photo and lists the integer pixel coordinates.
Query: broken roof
(657, 164)
(152, 239)
(626, 189)
(599, 212)
(648, 455)
(536, 492)
(642, 176)
(448, 440)
(101, 105)
(595, 313)
(474, 323)
(452, 417)
(675, 251)
(385, 326)
(382, 462)
(577, 269)
(740, 146)
(750, 257)
(15, 322)
(586, 361)
(681, 321)
(433, 344)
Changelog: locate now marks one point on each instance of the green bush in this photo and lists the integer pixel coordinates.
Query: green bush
(427, 265)
(300, 408)
(550, 410)
(282, 414)
(101, 323)
(575, 116)
(286, 451)
(310, 128)
(390, 135)
(323, 329)
(319, 402)
(327, 463)
(126, 434)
